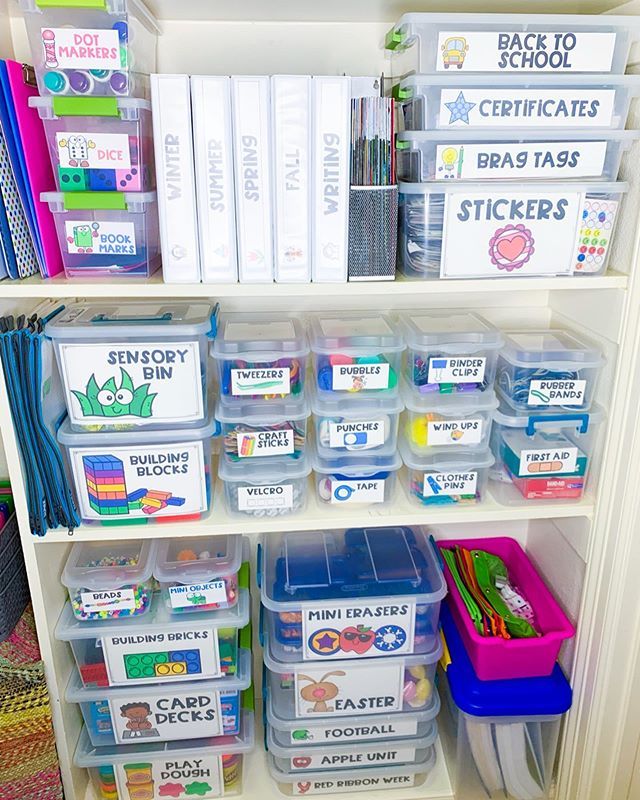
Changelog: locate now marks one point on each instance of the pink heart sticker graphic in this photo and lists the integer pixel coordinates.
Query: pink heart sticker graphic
(303, 788)
(301, 763)
(510, 248)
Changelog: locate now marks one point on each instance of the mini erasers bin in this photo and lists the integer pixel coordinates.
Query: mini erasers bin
(205, 768)
(554, 370)
(495, 658)
(89, 49)
(356, 478)
(260, 357)
(133, 364)
(109, 581)
(162, 713)
(371, 592)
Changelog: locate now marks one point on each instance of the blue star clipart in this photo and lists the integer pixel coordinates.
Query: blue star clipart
(459, 109)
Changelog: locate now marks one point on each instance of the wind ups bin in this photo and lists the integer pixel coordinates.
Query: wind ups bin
(133, 364)
(479, 230)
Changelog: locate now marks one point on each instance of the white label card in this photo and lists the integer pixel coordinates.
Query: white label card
(277, 496)
(449, 483)
(542, 463)
(390, 729)
(170, 776)
(358, 491)
(116, 600)
(100, 238)
(447, 432)
(557, 393)
(82, 48)
(93, 150)
(335, 758)
(353, 784)
(459, 369)
(198, 594)
(356, 377)
(255, 444)
(361, 435)
(247, 382)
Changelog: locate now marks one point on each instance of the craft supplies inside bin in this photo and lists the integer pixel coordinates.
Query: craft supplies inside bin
(100, 144)
(506, 229)
(356, 478)
(104, 234)
(133, 364)
(109, 581)
(377, 589)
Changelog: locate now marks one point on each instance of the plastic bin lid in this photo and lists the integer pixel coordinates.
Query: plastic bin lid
(90, 107)
(252, 470)
(118, 202)
(225, 558)
(257, 412)
(554, 349)
(591, 188)
(355, 464)
(517, 697)
(329, 404)
(449, 332)
(448, 404)
(350, 564)
(259, 337)
(354, 333)
(553, 417)
(512, 136)
(122, 7)
(83, 565)
(133, 321)
(462, 459)
(521, 80)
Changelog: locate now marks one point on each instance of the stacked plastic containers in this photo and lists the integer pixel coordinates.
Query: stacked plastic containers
(92, 63)
(137, 436)
(261, 364)
(162, 677)
(448, 391)
(351, 643)
(500, 111)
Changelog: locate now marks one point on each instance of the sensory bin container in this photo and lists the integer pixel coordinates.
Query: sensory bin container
(157, 713)
(252, 429)
(355, 355)
(553, 370)
(542, 455)
(382, 586)
(495, 658)
(91, 49)
(206, 768)
(159, 647)
(447, 478)
(107, 352)
(102, 144)
(200, 574)
(490, 235)
(260, 357)
(356, 478)
(109, 581)
(265, 489)
(518, 722)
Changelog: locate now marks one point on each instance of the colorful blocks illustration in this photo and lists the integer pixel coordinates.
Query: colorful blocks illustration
(102, 180)
(72, 180)
(129, 180)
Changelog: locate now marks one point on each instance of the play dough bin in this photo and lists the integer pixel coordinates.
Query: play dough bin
(356, 478)
(131, 364)
(204, 768)
(553, 370)
(260, 357)
(158, 647)
(108, 581)
(374, 592)
(355, 355)
(157, 713)
(103, 145)
(542, 455)
(90, 49)
(506, 229)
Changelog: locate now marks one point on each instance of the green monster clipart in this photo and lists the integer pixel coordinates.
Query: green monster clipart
(110, 400)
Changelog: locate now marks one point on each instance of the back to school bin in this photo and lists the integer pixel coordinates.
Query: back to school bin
(486, 230)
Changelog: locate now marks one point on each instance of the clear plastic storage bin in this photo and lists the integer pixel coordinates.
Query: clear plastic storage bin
(373, 592)
(200, 573)
(108, 581)
(354, 354)
(102, 145)
(447, 478)
(103, 235)
(133, 364)
(210, 767)
(260, 356)
(554, 370)
(91, 49)
(506, 229)
(543, 455)
(158, 647)
(157, 713)
(356, 478)
(140, 476)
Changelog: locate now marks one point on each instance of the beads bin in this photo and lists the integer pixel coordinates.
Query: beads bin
(356, 478)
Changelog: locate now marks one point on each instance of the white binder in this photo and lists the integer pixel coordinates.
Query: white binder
(213, 151)
(252, 166)
(171, 104)
(291, 130)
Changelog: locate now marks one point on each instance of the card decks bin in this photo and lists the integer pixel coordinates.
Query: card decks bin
(495, 658)
(14, 588)
(373, 225)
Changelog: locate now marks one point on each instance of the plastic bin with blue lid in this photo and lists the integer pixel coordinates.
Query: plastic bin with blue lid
(500, 736)
(157, 647)
(162, 713)
(86, 48)
(356, 478)
(551, 369)
(508, 43)
(134, 364)
(375, 592)
(476, 229)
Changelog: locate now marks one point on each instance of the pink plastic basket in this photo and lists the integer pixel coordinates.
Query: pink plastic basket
(498, 659)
